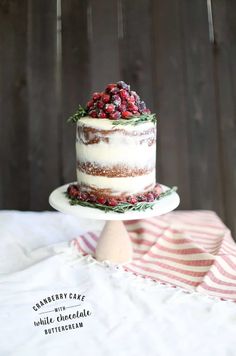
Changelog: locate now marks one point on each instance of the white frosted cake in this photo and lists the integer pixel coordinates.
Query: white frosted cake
(115, 160)
(115, 149)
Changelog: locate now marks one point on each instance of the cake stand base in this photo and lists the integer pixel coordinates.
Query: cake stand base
(114, 243)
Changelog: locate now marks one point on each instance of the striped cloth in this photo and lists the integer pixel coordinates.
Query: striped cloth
(193, 250)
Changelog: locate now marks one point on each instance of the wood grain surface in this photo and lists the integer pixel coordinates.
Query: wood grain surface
(54, 54)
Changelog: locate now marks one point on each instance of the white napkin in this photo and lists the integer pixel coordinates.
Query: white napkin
(127, 316)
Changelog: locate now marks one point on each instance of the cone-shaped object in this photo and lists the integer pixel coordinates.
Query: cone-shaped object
(114, 243)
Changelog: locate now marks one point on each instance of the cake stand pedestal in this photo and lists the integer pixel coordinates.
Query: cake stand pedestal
(114, 243)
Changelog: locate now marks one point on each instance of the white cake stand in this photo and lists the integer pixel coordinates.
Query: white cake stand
(114, 243)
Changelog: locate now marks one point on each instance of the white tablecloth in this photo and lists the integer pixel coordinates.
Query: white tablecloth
(124, 314)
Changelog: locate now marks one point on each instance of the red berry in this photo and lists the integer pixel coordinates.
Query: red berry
(142, 197)
(146, 111)
(93, 113)
(132, 99)
(122, 107)
(102, 115)
(123, 85)
(73, 191)
(132, 107)
(158, 190)
(90, 103)
(124, 94)
(100, 104)
(126, 114)
(110, 108)
(115, 115)
(112, 202)
(135, 95)
(101, 200)
(84, 196)
(96, 96)
(110, 87)
(92, 198)
(105, 98)
(150, 197)
(114, 90)
(116, 100)
(132, 200)
(141, 106)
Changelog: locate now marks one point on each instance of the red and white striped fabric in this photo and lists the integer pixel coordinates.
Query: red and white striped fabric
(193, 250)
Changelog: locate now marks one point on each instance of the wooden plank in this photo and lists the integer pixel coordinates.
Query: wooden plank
(169, 89)
(136, 47)
(43, 106)
(224, 20)
(204, 150)
(75, 76)
(104, 45)
(14, 167)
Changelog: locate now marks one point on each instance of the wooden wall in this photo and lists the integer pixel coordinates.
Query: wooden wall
(54, 54)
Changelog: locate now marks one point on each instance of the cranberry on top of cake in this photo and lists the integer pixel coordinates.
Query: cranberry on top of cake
(116, 102)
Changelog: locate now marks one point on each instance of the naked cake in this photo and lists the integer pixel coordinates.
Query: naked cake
(115, 149)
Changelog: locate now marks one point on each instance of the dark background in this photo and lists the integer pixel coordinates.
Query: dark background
(180, 55)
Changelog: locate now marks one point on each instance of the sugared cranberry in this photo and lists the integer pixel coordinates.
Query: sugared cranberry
(112, 202)
(124, 94)
(109, 108)
(135, 95)
(132, 107)
(90, 103)
(73, 191)
(110, 87)
(96, 96)
(115, 115)
(132, 200)
(100, 104)
(115, 90)
(158, 190)
(92, 198)
(122, 107)
(93, 113)
(106, 98)
(142, 106)
(146, 111)
(131, 99)
(101, 200)
(84, 196)
(142, 198)
(116, 100)
(123, 85)
(150, 197)
(126, 114)
(102, 115)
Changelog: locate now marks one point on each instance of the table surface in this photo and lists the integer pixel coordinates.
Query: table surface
(128, 316)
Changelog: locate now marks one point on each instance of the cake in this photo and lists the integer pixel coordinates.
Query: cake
(115, 149)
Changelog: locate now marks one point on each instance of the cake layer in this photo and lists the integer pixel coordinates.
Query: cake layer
(117, 170)
(118, 185)
(133, 145)
(109, 154)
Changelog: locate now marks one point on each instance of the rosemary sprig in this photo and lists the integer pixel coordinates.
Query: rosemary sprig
(80, 112)
(121, 207)
(136, 120)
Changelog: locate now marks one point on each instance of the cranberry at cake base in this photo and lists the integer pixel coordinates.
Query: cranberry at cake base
(115, 160)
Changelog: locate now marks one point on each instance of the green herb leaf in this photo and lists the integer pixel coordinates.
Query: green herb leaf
(121, 207)
(80, 112)
(136, 120)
